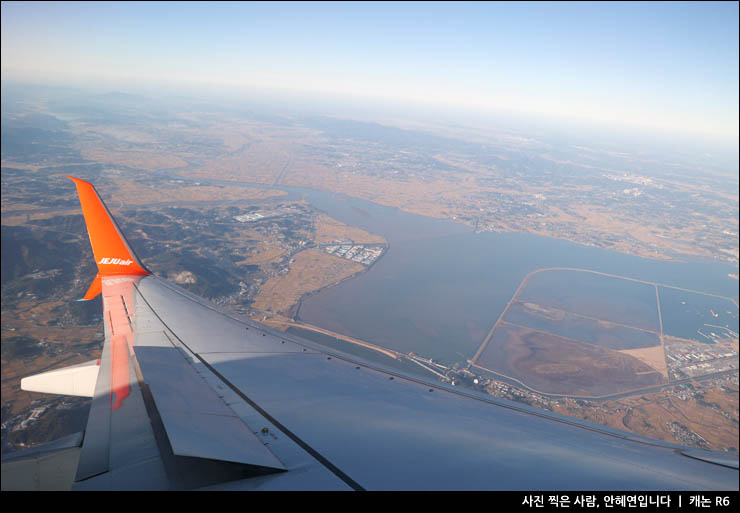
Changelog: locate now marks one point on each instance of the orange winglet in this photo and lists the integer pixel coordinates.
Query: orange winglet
(112, 253)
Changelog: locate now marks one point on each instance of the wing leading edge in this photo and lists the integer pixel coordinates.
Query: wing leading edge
(188, 396)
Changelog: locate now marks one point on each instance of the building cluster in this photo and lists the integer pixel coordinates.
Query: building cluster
(33, 416)
(43, 275)
(506, 391)
(362, 254)
(702, 369)
(266, 214)
(686, 436)
(633, 192)
(693, 360)
(246, 218)
(636, 179)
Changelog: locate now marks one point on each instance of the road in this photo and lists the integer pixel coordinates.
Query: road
(388, 352)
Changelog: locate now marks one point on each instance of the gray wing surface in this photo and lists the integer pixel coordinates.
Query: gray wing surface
(223, 403)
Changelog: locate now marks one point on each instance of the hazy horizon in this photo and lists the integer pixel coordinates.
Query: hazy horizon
(396, 113)
(669, 70)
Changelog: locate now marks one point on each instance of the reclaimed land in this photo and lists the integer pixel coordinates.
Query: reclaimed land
(556, 365)
(598, 332)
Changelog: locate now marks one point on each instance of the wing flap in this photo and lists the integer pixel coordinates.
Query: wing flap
(151, 405)
(197, 421)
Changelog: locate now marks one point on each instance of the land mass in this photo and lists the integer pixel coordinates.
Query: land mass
(168, 172)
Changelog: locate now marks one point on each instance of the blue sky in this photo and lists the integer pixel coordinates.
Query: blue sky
(664, 66)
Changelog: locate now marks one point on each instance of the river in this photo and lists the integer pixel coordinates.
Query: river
(440, 287)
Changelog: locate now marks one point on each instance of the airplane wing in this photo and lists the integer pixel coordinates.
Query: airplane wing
(188, 396)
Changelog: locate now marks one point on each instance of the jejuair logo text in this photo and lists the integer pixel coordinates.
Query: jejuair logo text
(116, 261)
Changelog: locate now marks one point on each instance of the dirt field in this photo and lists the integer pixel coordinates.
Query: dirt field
(652, 356)
(310, 270)
(132, 193)
(654, 415)
(556, 365)
(329, 230)
(264, 254)
(151, 160)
